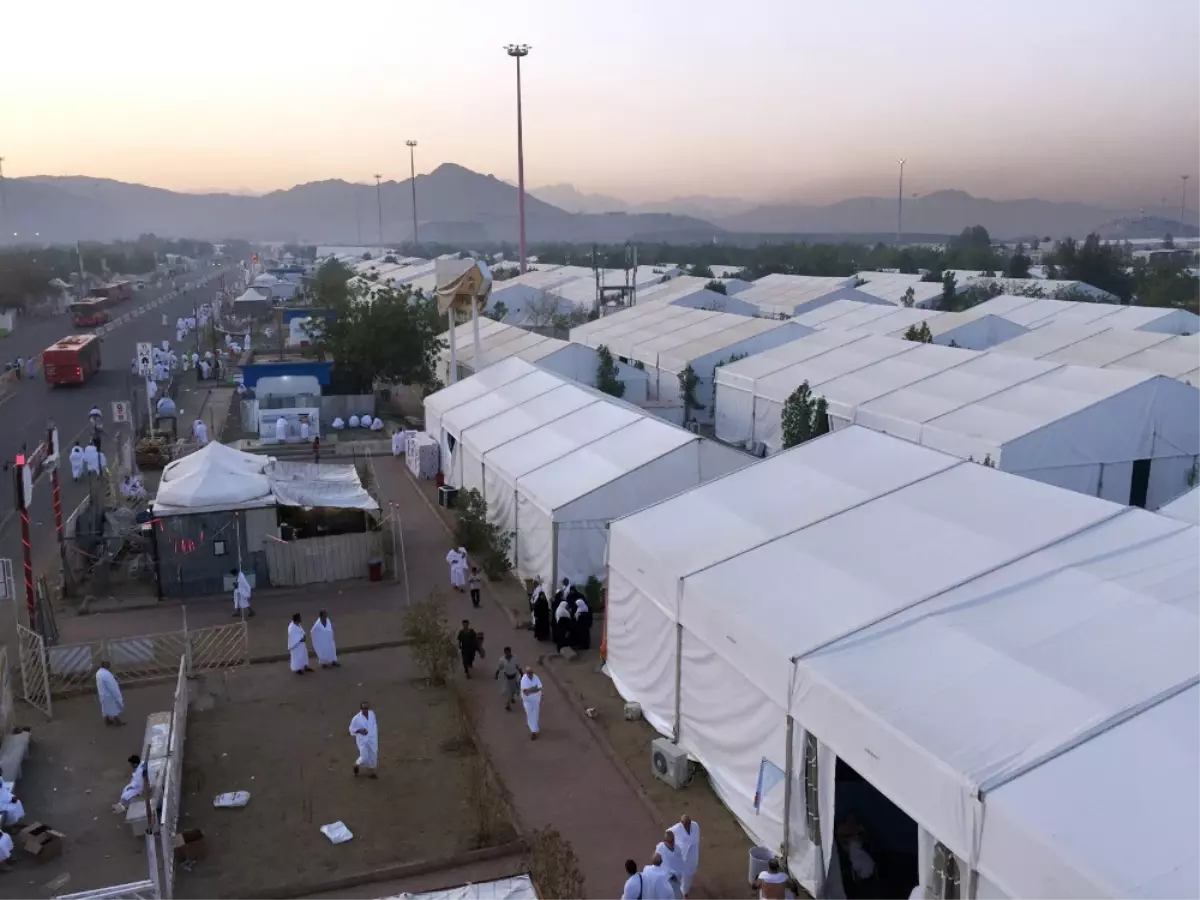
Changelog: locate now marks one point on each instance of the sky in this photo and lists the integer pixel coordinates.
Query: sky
(808, 100)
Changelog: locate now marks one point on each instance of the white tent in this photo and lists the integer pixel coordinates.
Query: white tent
(788, 295)
(1038, 312)
(1124, 435)
(1185, 508)
(957, 329)
(556, 461)
(217, 477)
(1099, 346)
(949, 632)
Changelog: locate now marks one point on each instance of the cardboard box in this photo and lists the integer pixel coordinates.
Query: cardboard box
(190, 845)
(41, 841)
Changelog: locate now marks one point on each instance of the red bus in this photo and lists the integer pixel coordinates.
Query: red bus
(114, 292)
(72, 360)
(88, 312)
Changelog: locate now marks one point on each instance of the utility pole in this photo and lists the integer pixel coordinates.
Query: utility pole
(900, 207)
(379, 201)
(22, 490)
(52, 453)
(412, 168)
(3, 202)
(358, 214)
(82, 285)
(1183, 204)
(517, 52)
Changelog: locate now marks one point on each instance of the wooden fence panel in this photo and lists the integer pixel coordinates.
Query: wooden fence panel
(338, 557)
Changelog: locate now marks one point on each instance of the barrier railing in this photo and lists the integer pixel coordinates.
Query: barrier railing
(172, 789)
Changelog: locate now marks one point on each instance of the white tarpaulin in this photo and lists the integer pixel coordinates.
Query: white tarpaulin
(217, 477)
(519, 887)
(946, 629)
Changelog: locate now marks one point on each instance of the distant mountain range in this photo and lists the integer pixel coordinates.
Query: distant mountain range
(454, 205)
(458, 206)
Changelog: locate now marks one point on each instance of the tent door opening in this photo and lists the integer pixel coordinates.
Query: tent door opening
(871, 832)
(1139, 484)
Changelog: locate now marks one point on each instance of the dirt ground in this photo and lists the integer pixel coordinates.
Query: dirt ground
(724, 847)
(71, 778)
(284, 738)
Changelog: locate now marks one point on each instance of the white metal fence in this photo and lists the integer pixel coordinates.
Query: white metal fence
(134, 890)
(6, 694)
(172, 789)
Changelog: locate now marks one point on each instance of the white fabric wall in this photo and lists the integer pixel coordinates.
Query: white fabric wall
(717, 460)
(581, 549)
(768, 423)
(641, 642)
(501, 502)
(534, 540)
(733, 413)
(1168, 480)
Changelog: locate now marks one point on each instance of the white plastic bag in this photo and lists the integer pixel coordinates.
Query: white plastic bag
(232, 800)
(337, 833)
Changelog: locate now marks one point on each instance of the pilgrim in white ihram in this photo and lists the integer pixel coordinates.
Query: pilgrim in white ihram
(365, 731)
(241, 593)
(323, 642)
(112, 704)
(531, 698)
(137, 782)
(687, 839)
(672, 859)
(12, 810)
(297, 648)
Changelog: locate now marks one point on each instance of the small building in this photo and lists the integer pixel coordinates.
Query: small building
(667, 340)
(284, 523)
(252, 304)
(1127, 436)
(556, 461)
(498, 341)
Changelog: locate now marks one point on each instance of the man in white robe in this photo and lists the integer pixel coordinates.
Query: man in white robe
(241, 594)
(398, 444)
(137, 782)
(108, 689)
(281, 428)
(200, 432)
(6, 850)
(76, 462)
(164, 320)
(453, 559)
(531, 699)
(672, 859)
(687, 839)
(656, 884)
(353, 422)
(338, 423)
(151, 389)
(297, 648)
(377, 424)
(91, 459)
(305, 432)
(365, 731)
(12, 810)
(323, 642)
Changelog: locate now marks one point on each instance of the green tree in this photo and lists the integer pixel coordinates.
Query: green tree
(392, 337)
(972, 249)
(606, 374)
(921, 334)
(804, 417)
(702, 271)
(716, 287)
(688, 382)
(949, 282)
(909, 298)
(1018, 264)
(498, 311)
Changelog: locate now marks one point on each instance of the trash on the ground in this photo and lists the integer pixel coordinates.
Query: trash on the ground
(231, 800)
(590, 712)
(57, 882)
(337, 832)
(633, 712)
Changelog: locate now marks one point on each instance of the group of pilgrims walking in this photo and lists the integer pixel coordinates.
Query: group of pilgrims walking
(570, 625)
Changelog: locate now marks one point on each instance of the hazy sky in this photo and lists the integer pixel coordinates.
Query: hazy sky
(1095, 100)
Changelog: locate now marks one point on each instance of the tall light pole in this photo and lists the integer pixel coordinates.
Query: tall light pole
(1183, 208)
(517, 51)
(900, 206)
(412, 168)
(379, 202)
(3, 201)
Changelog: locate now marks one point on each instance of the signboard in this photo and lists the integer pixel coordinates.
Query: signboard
(145, 364)
(121, 412)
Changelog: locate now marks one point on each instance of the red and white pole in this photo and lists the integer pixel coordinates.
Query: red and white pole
(26, 549)
(52, 452)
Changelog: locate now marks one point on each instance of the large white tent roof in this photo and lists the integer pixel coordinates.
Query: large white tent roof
(892, 287)
(1096, 345)
(1037, 312)
(955, 640)
(785, 294)
(871, 318)
(1185, 508)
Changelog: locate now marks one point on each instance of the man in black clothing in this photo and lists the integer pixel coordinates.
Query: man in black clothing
(468, 646)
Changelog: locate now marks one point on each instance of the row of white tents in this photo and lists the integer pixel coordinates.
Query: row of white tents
(556, 461)
(1012, 665)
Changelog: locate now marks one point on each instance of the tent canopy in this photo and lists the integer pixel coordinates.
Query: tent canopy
(217, 477)
(954, 637)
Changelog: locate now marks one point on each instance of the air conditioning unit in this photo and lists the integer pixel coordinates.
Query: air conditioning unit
(670, 763)
(758, 448)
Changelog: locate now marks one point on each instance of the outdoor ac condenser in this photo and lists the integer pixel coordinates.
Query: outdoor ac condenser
(670, 763)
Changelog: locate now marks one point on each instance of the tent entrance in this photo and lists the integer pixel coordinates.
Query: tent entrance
(1139, 485)
(865, 821)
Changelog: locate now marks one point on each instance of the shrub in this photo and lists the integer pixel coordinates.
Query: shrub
(606, 374)
(483, 540)
(429, 638)
(805, 416)
(553, 866)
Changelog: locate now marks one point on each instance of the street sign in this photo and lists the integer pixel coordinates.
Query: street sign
(121, 412)
(145, 366)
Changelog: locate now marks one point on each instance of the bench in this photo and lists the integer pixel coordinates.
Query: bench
(157, 737)
(13, 750)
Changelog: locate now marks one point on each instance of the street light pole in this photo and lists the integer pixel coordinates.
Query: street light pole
(517, 51)
(379, 201)
(412, 168)
(900, 206)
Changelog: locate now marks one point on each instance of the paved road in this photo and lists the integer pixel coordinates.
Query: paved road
(27, 409)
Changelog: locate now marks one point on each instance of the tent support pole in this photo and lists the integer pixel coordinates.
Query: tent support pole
(452, 375)
(785, 848)
(678, 682)
(553, 560)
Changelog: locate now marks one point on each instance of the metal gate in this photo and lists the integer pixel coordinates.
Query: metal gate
(35, 677)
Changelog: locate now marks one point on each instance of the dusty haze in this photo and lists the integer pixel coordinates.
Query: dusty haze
(1094, 101)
